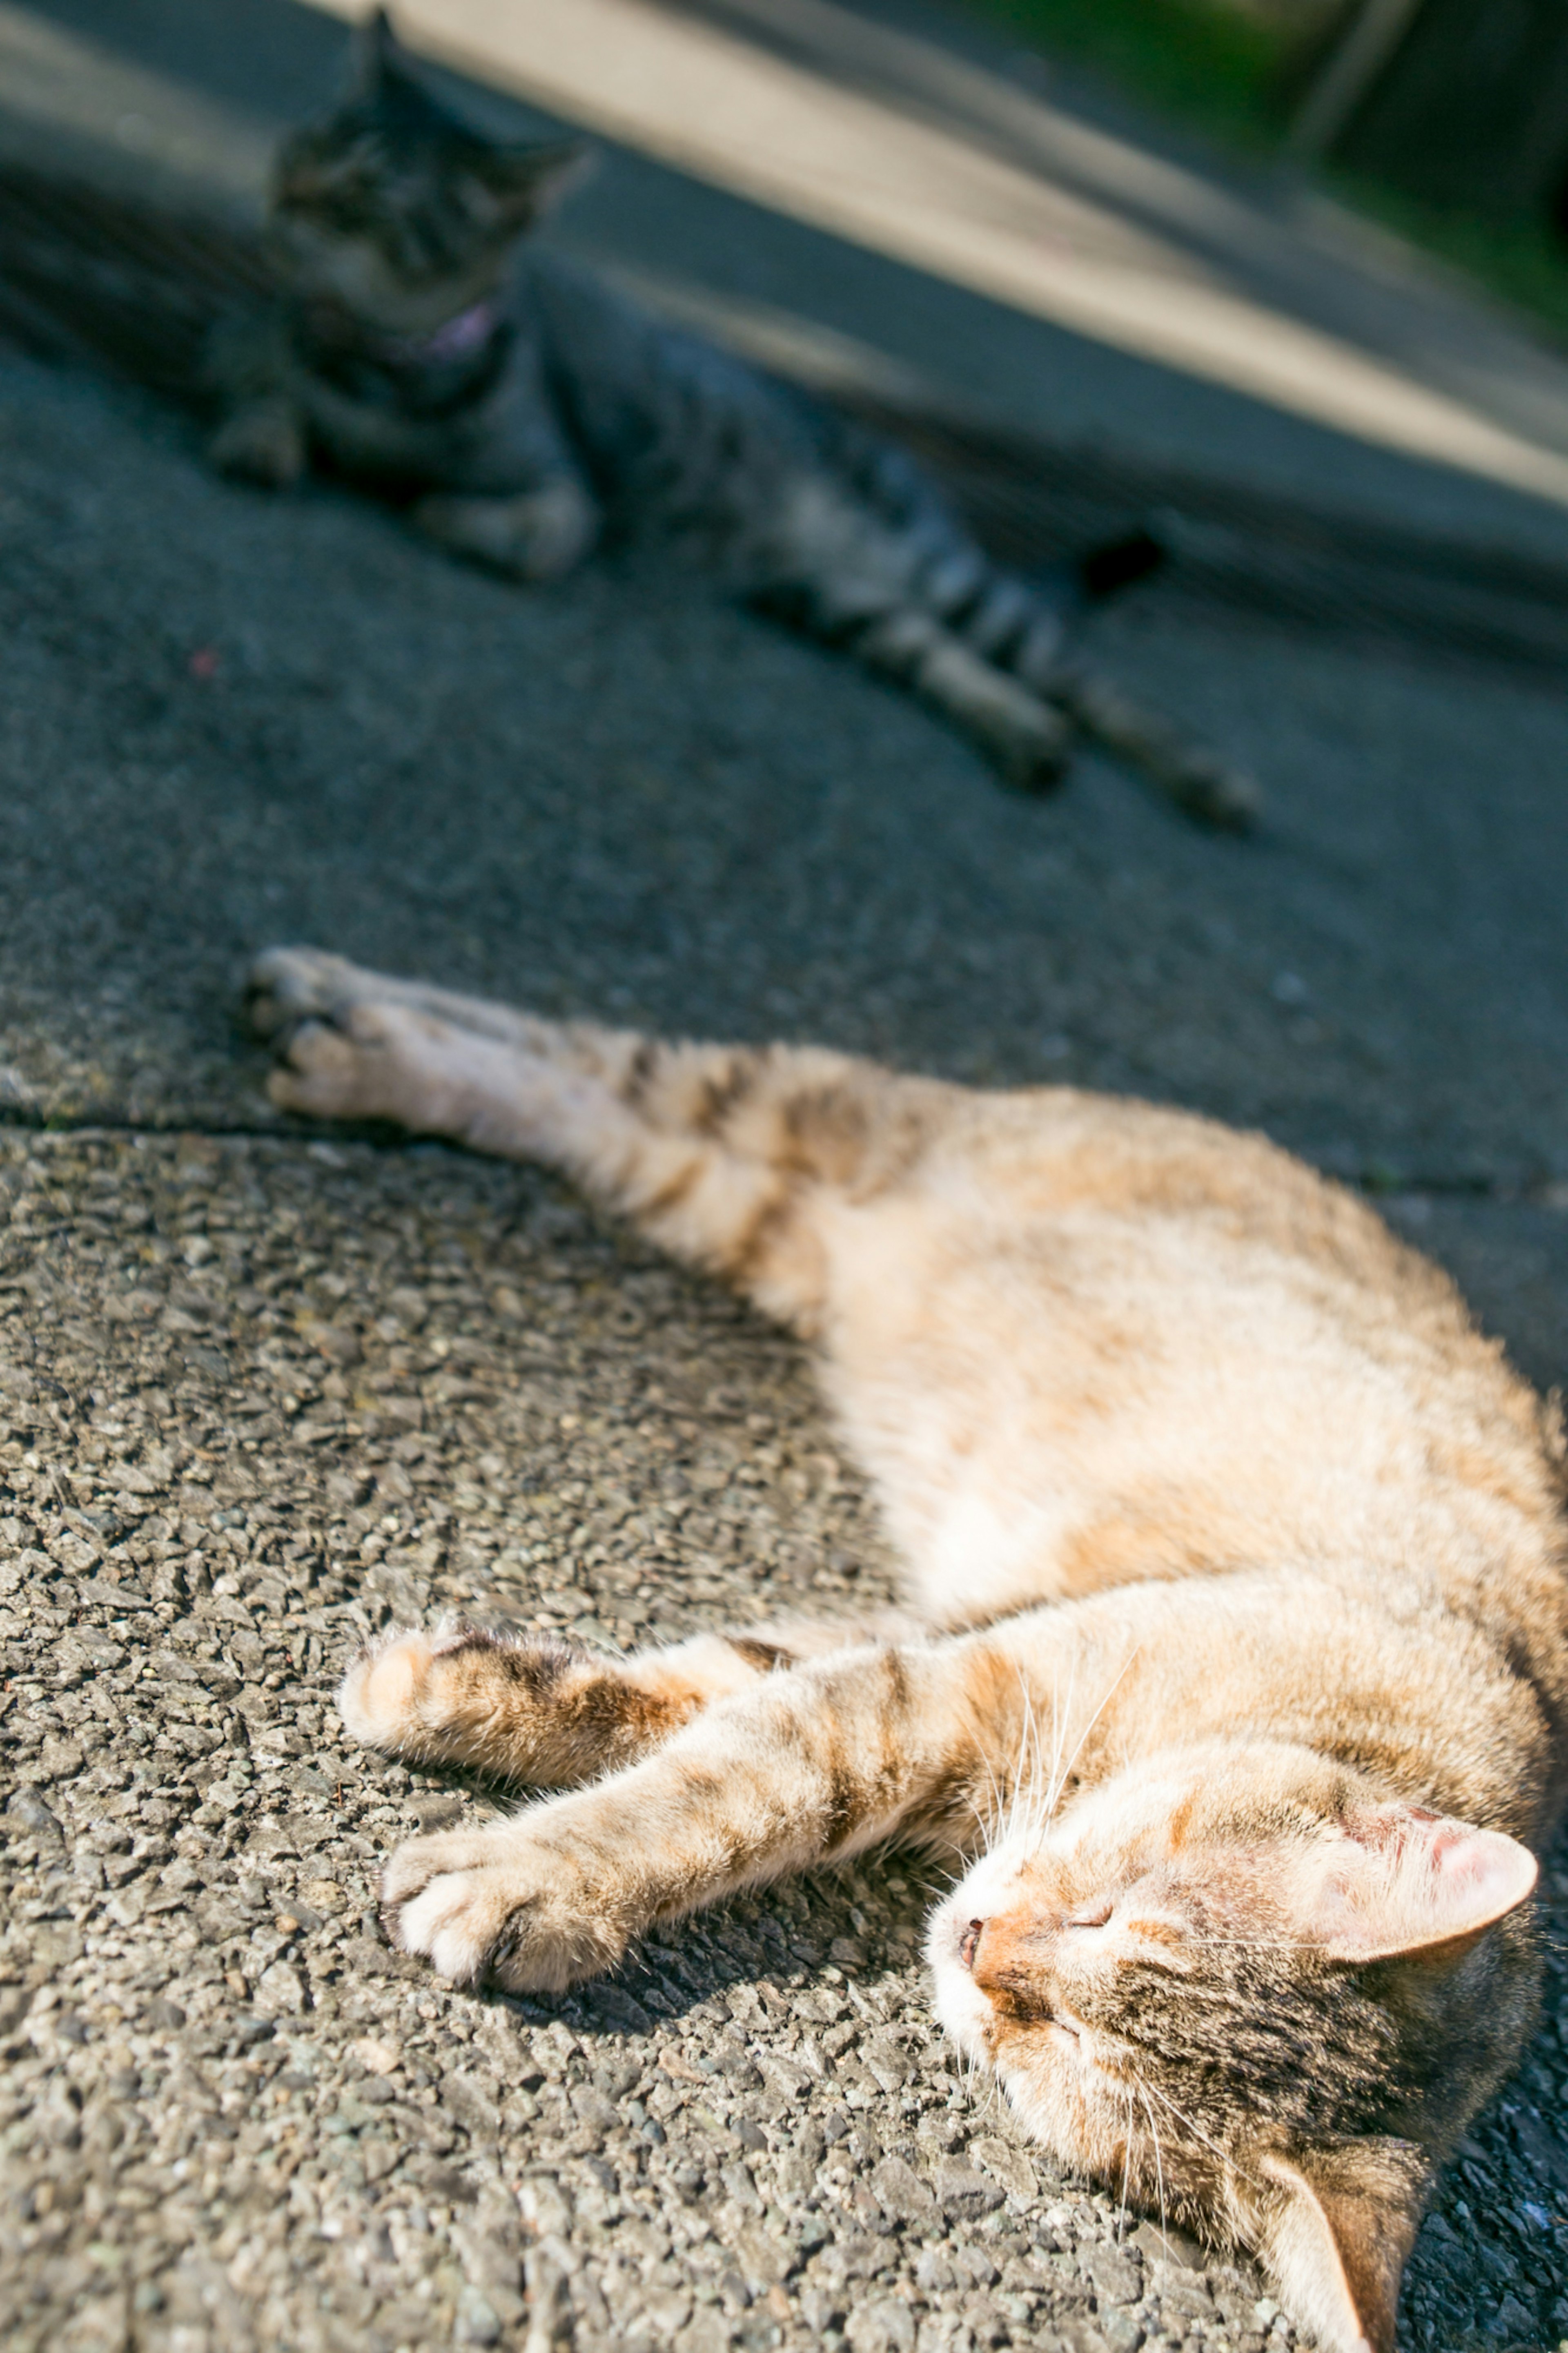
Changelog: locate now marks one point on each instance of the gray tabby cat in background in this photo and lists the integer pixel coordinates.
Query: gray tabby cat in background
(422, 346)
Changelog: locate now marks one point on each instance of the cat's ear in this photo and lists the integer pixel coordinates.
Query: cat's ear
(376, 54)
(1335, 2227)
(527, 182)
(1401, 1880)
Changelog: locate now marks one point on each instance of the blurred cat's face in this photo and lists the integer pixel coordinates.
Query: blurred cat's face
(400, 213)
(1195, 1985)
(383, 233)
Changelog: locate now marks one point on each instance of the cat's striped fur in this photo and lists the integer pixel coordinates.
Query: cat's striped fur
(525, 408)
(1236, 1673)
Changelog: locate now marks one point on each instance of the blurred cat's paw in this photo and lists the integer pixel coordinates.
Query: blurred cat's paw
(263, 443)
(342, 1071)
(288, 985)
(541, 535)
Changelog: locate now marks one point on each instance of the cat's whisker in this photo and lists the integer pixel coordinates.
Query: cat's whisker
(1225, 2156)
(1062, 1711)
(1109, 1695)
(1126, 2171)
(1159, 2165)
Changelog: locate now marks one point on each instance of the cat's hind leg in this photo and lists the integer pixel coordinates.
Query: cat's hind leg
(540, 534)
(887, 595)
(1025, 738)
(723, 1155)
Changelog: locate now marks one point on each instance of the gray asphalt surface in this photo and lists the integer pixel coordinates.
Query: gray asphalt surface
(261, 1390)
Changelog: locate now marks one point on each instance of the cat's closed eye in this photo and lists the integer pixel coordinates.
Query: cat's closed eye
(1091, 1916)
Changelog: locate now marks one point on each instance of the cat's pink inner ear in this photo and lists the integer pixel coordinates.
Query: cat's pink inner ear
(1402, 1880)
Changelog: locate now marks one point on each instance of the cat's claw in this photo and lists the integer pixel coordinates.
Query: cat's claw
(286, 986)
(497, 1906)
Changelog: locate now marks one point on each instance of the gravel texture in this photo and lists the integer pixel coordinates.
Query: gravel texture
(258, 1393)
(256, 1398)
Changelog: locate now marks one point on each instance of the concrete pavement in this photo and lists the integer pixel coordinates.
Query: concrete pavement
(259, 1391)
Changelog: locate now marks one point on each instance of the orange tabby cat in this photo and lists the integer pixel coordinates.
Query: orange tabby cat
(1238, 1655)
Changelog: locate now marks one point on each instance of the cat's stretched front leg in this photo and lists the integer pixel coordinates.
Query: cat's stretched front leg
(261, 436)
(531, 1707)
(819, 1761)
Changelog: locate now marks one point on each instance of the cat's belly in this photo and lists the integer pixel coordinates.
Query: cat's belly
(1092, 1408)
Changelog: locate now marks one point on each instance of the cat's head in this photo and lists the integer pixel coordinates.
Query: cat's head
(397, 211)
(1236, 1985)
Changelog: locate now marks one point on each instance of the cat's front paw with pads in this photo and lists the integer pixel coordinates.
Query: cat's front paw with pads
(499, 1907)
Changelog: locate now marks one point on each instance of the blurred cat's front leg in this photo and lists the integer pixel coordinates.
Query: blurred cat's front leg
(799, 1766)
(262, 436)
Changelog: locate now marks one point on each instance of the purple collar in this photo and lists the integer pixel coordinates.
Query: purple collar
(456, 339)
(464, 337)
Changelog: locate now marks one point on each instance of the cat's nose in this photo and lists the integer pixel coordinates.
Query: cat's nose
(1003, 1955)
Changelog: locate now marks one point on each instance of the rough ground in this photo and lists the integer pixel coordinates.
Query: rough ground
(260, 1391)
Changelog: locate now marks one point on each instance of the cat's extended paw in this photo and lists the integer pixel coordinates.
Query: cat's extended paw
(542, 535)
(498, 1907)
(528, 1707)
(286, 986)
(264, 444)
(384, 1698)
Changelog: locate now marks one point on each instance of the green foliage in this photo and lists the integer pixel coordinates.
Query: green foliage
(1216, 66)
(1524, 262)
(1226, 70)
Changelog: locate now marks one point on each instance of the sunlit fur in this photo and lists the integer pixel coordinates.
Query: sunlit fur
(1233, 1685)
(1146, 1993)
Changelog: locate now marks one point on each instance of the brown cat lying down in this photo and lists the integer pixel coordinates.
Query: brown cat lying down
(1237, 1655)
